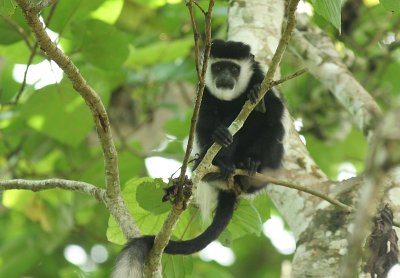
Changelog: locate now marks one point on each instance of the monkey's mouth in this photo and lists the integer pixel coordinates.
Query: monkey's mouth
(224, 84)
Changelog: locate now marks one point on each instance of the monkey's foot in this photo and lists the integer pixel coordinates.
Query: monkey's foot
(226, 169)
(251, 165)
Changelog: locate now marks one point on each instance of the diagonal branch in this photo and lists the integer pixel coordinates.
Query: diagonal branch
(113, 192)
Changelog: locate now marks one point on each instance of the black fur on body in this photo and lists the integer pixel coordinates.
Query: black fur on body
(232, 77)
(258, 144)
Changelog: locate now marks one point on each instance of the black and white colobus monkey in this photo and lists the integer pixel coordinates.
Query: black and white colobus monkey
(233, 76)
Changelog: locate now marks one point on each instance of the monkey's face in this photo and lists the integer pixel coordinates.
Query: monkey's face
(227, 79)
(225, 74)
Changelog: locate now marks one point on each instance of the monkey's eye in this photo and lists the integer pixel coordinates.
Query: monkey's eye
(217, 68)
(235, 70)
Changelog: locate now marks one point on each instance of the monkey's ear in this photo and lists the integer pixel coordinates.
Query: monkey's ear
(251, 56)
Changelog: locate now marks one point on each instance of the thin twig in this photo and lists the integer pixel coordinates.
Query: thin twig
(297, 186)
(201, 9)
(286, 78)
(200, 88)
(154, 260)
(28, 64)
(196, 36)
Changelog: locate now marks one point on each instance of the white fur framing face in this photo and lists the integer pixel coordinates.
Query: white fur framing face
(246, 71)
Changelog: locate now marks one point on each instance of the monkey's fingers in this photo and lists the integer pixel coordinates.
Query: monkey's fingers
(253, 93)
(222, 136)
(226, 171)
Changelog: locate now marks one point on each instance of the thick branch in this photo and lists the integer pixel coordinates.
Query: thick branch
(39, 185)
(98, 113)
(322, 60)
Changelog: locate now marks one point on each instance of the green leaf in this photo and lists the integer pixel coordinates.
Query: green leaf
(18, 53)
(262, 203)
(8, 86)
(101, 44)
(147, 221)
(23, 258)
(9, 33)
(7, 7)
(59, 112)
(225, 238)
(69, 12)
(189, 225)
(209, 269)
(103, 81)
(351, 149)
(391, 5)
(177, 266)
(246, 220)
(174, 147)
(149, 196)
(129, 164)
(330, 10)
(114, 233)
(179, 127)
(159, 52)
(109, 11)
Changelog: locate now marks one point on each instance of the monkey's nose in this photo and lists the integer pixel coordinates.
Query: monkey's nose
(224, 83)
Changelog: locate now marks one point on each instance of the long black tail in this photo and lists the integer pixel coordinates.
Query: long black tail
(223, 214)
(132, 258)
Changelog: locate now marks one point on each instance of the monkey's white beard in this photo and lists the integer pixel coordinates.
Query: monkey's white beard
(225, 94)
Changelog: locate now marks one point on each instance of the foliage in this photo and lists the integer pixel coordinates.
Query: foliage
(138, 57)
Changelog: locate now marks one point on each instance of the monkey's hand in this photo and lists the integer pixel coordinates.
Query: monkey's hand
(226, 169)
(251, 165)
(254, 92)
(253, 95)
(222, 136)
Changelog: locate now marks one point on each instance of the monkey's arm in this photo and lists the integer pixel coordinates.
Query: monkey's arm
(254, 90)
